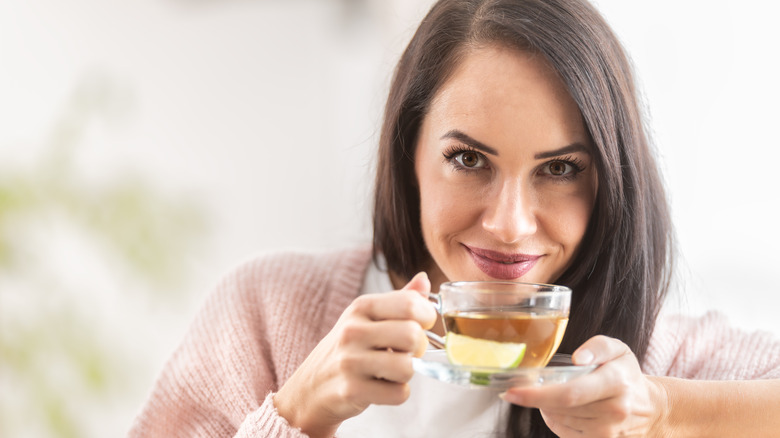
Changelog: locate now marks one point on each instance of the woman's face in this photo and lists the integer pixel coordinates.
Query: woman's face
(506, 176)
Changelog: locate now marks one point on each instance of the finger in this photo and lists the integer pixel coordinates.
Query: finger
(398, 335)
(395, 305)
(611, 410)
(564, 426)
(599, 350)
(388, 393)
(597, 426)
(419, 283)
(558, 426)
(378, 364)
(375, 391)
(605, 382)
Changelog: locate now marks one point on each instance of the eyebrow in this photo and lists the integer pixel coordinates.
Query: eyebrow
(476, 144)
(570, 149)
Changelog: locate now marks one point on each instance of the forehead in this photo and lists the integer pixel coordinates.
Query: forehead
(504, 92)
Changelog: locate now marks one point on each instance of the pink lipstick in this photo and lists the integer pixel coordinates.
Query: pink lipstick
(502, 266)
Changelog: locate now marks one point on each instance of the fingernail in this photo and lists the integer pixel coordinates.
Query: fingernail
(417, 275)
(420, 276)
(510, 398)
(583, 357)
(424, 277)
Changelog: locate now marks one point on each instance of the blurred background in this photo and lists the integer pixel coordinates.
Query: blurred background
(147, 147)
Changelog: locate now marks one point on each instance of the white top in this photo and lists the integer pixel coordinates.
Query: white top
(434, 408)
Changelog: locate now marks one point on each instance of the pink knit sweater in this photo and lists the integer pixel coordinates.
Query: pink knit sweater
(266, 316)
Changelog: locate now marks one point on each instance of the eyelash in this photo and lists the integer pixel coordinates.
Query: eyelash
(452, 152)
(572, 161)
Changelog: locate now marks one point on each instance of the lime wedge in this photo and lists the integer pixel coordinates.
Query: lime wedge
(465, 350)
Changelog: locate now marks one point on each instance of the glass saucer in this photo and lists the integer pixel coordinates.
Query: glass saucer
(434, 364)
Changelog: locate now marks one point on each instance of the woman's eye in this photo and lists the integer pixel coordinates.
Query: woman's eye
(470, 159)
(559, 168)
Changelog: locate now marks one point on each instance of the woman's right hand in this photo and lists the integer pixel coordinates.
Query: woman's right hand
(365, 359)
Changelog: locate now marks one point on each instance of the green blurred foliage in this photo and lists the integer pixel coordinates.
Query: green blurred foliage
(55, 357)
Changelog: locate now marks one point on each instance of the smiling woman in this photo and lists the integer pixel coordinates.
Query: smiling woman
(516, 209)
(513, 148)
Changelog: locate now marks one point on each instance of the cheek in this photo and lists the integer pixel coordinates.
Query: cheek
(579, 215)
(429, 211)
(443, 211)
(434, 206)
(568, 220)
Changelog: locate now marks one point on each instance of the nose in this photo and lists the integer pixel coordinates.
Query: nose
(510, 213)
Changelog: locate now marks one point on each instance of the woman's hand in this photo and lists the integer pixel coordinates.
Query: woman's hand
(365, 359)
(615, 400)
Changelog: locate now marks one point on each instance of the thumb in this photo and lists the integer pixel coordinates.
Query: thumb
(420, 283)
(600, 349)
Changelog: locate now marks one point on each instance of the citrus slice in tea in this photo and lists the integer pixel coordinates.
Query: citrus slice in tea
(465, 350)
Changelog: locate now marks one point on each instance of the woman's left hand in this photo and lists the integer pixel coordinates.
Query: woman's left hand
(614, 400)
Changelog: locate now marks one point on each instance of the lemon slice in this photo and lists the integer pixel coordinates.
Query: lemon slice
(465, 350)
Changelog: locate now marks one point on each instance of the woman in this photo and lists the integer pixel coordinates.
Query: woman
(512, 148)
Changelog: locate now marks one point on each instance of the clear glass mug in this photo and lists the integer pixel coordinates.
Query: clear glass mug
(506, 311)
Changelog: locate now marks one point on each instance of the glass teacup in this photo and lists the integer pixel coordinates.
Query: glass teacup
(506, 312)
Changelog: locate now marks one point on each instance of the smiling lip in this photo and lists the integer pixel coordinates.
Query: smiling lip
(500, 265)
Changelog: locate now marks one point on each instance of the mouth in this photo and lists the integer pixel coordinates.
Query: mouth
(502, 266)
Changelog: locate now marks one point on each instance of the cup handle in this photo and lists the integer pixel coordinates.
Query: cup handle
(435, 340)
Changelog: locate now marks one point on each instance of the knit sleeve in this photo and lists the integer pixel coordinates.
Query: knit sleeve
(214, 383)
(250, 335)
(708, 348)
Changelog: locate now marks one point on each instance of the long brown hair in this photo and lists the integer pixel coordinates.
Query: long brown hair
(622, 273)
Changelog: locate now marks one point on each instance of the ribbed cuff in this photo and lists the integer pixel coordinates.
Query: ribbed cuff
(266, 421)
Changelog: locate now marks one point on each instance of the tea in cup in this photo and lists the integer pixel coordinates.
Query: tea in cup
(525, 319)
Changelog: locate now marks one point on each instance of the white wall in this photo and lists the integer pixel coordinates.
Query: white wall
(709, 72)
(266, 113)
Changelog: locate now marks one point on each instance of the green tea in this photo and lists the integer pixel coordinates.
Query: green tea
(541, 331)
